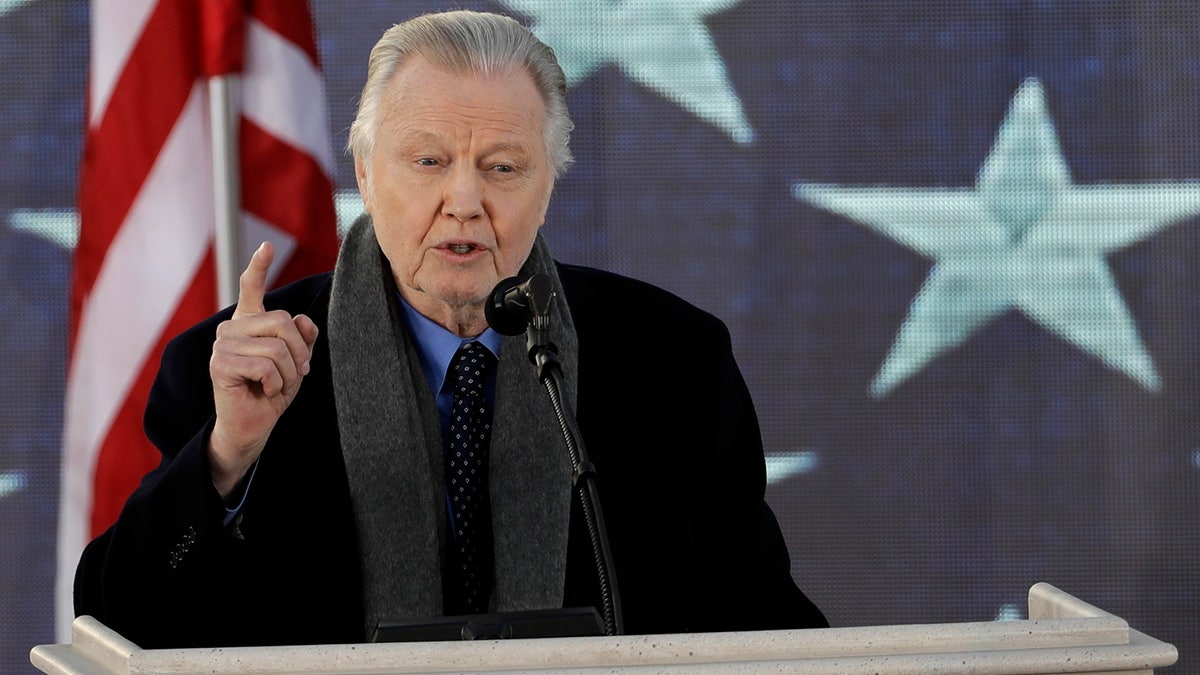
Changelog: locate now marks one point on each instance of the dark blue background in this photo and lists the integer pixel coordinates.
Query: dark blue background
(1012, 459)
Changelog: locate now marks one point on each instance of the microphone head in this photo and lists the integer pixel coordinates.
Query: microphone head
(507, 310)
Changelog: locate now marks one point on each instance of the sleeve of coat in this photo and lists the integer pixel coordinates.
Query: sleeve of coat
(743, 551)
(169, 558)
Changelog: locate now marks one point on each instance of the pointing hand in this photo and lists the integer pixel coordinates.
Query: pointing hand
(259, 360)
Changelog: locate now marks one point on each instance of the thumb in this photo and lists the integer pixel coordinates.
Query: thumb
(252, 285)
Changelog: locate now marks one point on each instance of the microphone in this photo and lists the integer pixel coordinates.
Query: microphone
(514, 306)
(514, 303)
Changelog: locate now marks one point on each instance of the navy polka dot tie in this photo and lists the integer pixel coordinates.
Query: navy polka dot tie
(470, 580)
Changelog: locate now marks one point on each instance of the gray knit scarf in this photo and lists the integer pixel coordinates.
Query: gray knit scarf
(391, 441)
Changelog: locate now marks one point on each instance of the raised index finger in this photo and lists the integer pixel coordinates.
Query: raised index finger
(252, 285)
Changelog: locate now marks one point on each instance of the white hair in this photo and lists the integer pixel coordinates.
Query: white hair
(466, 42)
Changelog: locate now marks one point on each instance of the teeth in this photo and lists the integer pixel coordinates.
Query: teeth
(461, 248)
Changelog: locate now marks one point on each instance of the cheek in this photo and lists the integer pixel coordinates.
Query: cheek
(408, 216)
(400, 242)
(515, 244)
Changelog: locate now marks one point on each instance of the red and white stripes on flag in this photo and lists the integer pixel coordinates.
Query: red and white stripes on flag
(144, 266)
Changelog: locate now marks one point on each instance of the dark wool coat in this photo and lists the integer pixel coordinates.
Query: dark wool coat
(666, 418)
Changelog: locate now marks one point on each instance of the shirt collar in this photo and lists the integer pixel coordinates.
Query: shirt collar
(436, 346)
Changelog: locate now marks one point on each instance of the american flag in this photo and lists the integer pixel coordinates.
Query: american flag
(957, 244)
(144, 266)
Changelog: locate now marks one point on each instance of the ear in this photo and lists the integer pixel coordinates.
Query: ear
(364, 183)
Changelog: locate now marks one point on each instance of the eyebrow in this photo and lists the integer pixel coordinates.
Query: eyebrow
(506, 147)
(417, 136)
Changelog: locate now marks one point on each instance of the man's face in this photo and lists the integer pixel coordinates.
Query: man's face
(458, 183)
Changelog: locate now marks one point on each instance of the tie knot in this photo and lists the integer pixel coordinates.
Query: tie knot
(470, 366)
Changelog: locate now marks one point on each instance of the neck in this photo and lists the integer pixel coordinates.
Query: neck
(465, 321)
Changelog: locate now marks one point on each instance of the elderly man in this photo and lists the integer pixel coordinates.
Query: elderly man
(324, 466)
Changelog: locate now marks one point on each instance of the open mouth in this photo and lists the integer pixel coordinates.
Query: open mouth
(461, 249)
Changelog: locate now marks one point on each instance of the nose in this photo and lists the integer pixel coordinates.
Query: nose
(463, 198)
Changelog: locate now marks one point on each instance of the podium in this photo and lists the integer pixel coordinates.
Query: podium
(1062, 635)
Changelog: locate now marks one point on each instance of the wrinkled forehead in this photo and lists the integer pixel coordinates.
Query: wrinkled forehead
(424, 101)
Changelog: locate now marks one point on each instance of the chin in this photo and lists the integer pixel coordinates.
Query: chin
(463, 297)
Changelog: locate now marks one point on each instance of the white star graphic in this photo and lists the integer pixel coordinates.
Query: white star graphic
(12, 482)
(60, 226)
(1023, 238)
(663, 44)
(7, 6)
(783, 465)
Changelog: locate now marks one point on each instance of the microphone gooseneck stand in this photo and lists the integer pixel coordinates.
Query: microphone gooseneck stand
(544, 356)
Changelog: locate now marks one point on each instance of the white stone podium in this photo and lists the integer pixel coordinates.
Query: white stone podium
(1062, 635)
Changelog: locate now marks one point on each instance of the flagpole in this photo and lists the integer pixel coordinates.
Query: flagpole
(224, 112)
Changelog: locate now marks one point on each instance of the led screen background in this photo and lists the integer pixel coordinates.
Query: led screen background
(955, 243)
